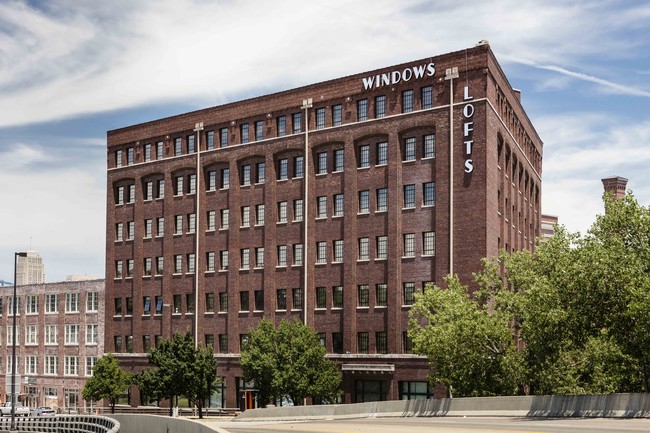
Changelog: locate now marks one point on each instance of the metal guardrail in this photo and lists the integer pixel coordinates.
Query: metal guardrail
(63, 423)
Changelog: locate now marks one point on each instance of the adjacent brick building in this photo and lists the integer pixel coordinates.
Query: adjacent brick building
(330, 203)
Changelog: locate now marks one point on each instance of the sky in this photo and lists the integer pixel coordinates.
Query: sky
(70, 70)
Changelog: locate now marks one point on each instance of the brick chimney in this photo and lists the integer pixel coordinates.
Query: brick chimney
(615, 185)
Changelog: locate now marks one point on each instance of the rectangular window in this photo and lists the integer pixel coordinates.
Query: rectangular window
(211, 217)
(429, 194)
(118, 306)
(297, 122)
(409, 149)
(160, 225)
(246, 175)
(409, 196)
(321, 252)
(223, 302)
(364, 205)
(160, 154)
(364, 156)
(92, 301)
(159, 265)
(130, 232)
(282, 212)
(118, 158)
(381, 294)
(119, 229)
(178, 224)
(407, 343)
(382, 153)
(282, 126)
(31, 334)
(407, 101)
(129, 156)
(259, 130)
(409, 293)
(211, 181)
(178, 146)
(297, 254)
(147, 266)
(298, 166)
(225, 218)
(71, 334)
(338, 251)
(429, 146)
(131, 198)
(382, 199)
(297, 299)
(31, 364)
(382, 247)
(72, 302)
(380, 106)
(245, 216)
(223, 343)
(51, 303)
(363, 293)
(191, 263)
(31, 304)
(71, 366)
(209, 261)
(243, 301)
(321, 297)
(147, 152)
(179, 185)
(281, 299)
(191, 223)
(159, 304)
(191, 148)
(297, 210)
(148, 228)
(362, 110)
(283, 169)
(51, 334)
(259, 300)
(161, 188)
(210, 140)
(92, 331)
(148, 190)
(362, 342)
(338, 160)
(178, 304)
(51, 365)
(337, 342)
(189, 301)
(178, 263)
(225, 178)
(363, 248)
(261, 173)
(338, 205)
(259, 257)
(427, 97)
(120, 195)
(321, 207)
(337, 115)
(409, 244)
(322, 163)
(429, 243)
(320, 118)
(243, 131)
(282, 255)
(223, 137)
(223, 260)
(337, 297)
(259, 215)
(244, 255)
(381, 342)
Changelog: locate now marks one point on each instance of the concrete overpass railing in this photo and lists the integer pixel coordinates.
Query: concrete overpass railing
(62, 423)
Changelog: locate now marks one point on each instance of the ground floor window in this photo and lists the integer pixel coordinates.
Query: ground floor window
(370, 390)
(414, 391)
(71, 398)
(218, 397)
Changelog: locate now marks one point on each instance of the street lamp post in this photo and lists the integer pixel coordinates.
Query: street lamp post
(13, 344)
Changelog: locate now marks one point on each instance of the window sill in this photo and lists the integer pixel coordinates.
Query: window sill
(363, 308)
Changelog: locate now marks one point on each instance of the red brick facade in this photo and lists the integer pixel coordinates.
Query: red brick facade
(495, 205)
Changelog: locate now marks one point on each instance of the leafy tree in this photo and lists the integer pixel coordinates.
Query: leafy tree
(202, 381)
(470, 349)
(108, 381)
(288, 361)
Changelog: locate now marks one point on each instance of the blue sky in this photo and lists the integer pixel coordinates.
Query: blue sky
(72, 69)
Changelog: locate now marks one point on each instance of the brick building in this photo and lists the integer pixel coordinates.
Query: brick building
(330, 203)
(59, 338)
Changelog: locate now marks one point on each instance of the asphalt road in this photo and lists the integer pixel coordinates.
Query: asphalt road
(442, 425)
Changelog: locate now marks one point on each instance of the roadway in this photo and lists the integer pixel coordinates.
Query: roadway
(442, 425)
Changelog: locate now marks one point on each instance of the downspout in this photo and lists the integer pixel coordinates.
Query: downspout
(306, 105)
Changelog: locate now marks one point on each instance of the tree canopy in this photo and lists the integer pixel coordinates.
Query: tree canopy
(288, 361)
(578, 308)
(107, 382)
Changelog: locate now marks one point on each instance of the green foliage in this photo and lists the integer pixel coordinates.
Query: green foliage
(288, 361)
(108, 381)
(181, 369)
(579, 308)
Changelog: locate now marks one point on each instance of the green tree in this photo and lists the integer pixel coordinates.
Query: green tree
(202, 381)
(470, 349)
(107, 382)
(288, 360)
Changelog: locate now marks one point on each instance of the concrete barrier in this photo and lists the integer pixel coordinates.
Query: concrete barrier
(137, 423)
(610, 405)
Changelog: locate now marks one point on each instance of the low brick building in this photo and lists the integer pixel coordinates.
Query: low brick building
(331, 203)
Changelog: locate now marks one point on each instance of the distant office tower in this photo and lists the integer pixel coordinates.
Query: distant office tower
(548, 223)
(30, 269)
(615, 185)
(332, 204)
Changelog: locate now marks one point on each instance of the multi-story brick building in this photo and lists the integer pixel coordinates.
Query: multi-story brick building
(60, 328)
(330, 203)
